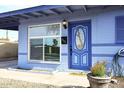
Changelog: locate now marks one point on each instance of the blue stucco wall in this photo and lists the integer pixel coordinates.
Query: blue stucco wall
(103, 38)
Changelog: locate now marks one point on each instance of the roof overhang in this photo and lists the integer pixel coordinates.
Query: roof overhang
(10, 20)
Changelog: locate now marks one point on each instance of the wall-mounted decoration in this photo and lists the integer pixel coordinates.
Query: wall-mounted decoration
(64, 40)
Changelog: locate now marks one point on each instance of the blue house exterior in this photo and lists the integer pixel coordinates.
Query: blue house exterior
(93, 33)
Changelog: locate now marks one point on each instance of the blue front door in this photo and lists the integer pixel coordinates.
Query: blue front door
(80, 45)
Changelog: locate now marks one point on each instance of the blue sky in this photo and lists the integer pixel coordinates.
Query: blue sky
(10, 5)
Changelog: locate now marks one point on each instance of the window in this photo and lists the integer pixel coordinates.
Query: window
(44, 43)
(36, 48)
(52, 47)
(119, 29)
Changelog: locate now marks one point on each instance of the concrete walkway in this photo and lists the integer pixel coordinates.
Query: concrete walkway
(59, 79)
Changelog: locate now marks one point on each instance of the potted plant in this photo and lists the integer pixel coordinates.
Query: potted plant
(98, 78)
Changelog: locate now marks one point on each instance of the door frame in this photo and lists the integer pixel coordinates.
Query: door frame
(89, 44)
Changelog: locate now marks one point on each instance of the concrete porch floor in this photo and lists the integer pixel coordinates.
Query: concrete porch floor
(59, 79)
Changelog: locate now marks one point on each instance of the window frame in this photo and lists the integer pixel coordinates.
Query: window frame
(40, 37)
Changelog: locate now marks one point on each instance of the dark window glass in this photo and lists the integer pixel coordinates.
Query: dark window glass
(36, 49)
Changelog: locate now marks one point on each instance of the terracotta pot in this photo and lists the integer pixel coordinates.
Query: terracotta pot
(98, 82)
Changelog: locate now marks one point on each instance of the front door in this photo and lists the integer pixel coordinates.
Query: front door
(80, 45)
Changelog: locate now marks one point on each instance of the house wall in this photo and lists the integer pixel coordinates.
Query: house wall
(103, 38)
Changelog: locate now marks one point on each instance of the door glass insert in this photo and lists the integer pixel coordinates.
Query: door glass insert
(79, 38)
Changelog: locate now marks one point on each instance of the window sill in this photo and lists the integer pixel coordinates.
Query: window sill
(42, 62)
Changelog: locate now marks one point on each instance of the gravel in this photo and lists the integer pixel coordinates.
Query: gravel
(120, 83)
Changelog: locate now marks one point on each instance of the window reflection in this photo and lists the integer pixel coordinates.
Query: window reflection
(52, 47)
(45, 42)
(36, 49)
(46, 30)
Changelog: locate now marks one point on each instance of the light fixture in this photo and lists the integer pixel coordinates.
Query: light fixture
(65, 24)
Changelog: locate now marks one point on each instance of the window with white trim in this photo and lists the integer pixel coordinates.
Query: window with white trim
(44, 42)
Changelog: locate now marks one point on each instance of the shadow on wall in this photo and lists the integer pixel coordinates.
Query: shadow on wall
(8, 50)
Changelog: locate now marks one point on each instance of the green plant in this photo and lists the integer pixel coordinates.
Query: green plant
(99, 69)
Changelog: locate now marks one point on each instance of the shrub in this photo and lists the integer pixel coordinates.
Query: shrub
(99, 69)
